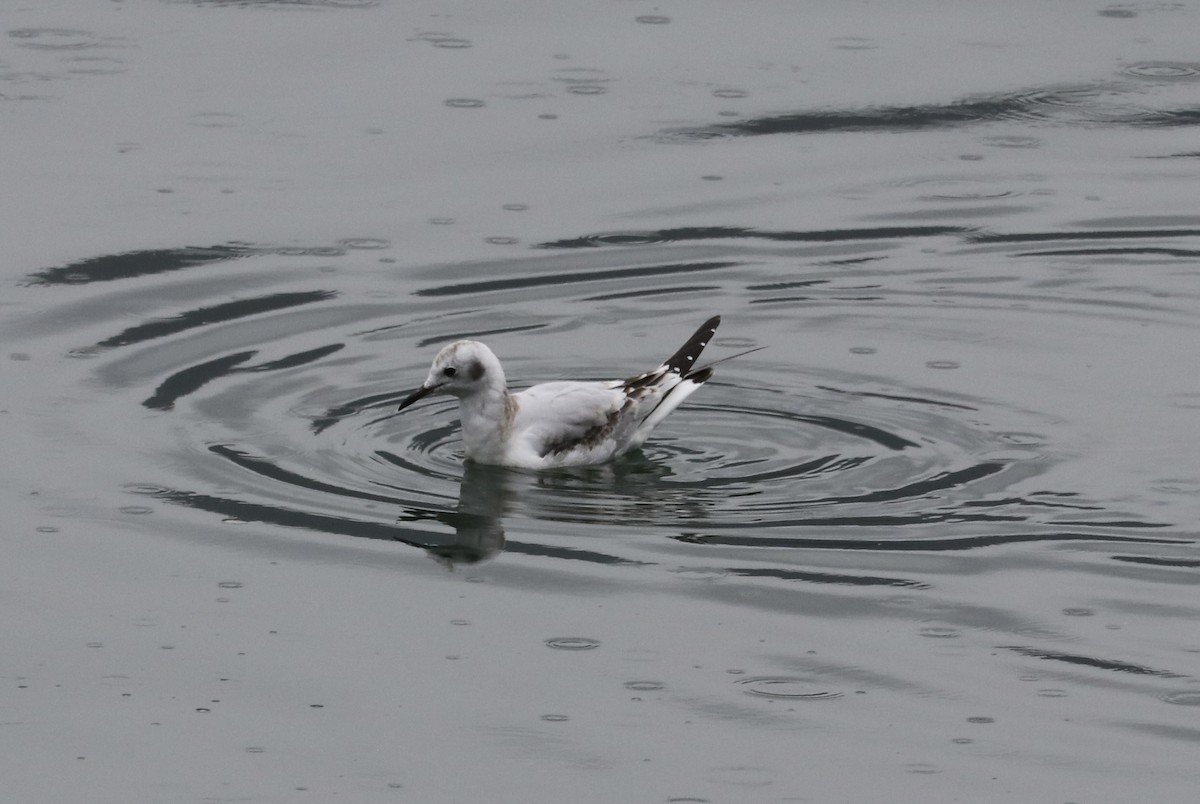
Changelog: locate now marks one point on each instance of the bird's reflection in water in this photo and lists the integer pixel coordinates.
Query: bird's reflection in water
(487, 494)
(478, 521)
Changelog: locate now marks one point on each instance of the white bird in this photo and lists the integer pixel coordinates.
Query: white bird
(560, 423)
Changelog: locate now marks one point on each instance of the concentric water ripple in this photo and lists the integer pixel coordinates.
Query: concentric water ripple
(279, 406)
(786, 688)
(1163, 71)
(53, 39)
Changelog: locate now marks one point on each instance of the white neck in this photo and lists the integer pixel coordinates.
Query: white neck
(486, 417)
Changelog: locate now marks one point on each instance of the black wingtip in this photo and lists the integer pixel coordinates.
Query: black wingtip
(686, 357)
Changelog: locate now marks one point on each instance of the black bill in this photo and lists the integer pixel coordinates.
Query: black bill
(416, 396)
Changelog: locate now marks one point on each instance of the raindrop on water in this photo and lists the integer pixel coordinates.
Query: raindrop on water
(796, 689)
(1164, 71)
(53, 38)
(921, 767)
(1021, 439)
(1012, 141)
(587, 89)
(136, 509)
(572, 643)
(1182, 698)
(644, 686)
(370, 243)
(854, 43)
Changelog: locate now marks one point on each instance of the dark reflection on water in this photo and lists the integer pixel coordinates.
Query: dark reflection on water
(641, 294)
(191, 379)
(1091, 661)
(353, 407)
(1113, 252)
(945, 543)
(477, 522)
(268, 469)
(204, 316)
(1160, 561)
(826, 577)
(700, 233)
(1099, 234)
(1100, 104)
(135, 264)
(111, 267)
(609, 275)
(703, 233)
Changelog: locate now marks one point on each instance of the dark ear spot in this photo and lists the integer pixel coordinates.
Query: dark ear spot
(475, 370)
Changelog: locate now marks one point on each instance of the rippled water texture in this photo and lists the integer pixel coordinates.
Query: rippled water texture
(944, 524)
(281, 402)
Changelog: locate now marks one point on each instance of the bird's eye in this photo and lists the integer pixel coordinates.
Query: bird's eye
(449, 371)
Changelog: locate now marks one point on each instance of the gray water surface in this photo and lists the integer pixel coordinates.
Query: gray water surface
(936, 542)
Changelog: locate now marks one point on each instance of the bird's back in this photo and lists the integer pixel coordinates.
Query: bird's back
(573, 423)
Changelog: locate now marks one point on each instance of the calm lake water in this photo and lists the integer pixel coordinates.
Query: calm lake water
(936, 542)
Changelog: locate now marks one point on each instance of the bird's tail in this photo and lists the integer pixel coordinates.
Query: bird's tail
(683, 360)
(683, 365)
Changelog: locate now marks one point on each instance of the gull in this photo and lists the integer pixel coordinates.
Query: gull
(561, 423)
